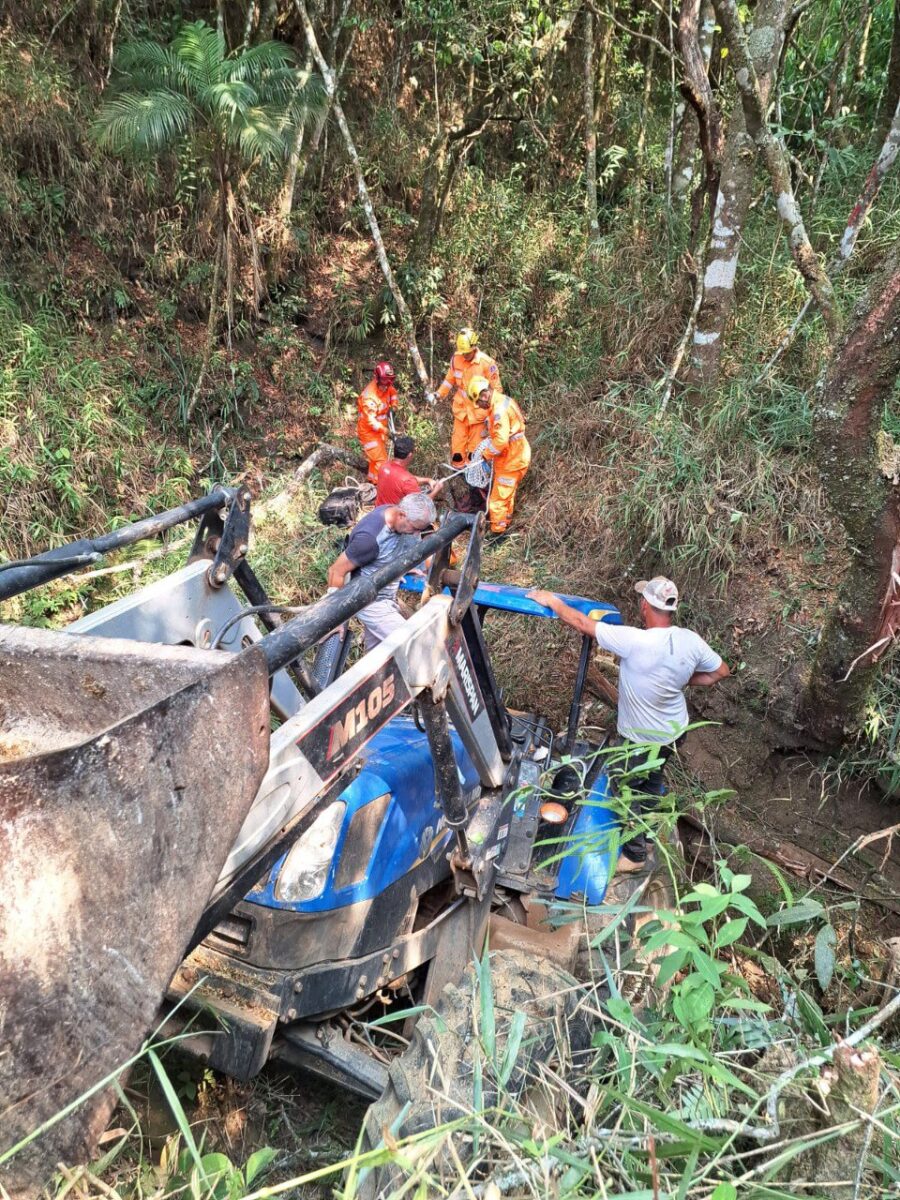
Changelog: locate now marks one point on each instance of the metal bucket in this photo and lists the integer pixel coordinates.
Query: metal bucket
(126, 771)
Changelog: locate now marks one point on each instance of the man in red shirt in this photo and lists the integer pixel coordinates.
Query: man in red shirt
(395, 480)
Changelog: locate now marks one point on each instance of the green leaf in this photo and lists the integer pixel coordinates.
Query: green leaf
(740, 883)
(706, 966)
(258, 1161)
(486, 1006)
(713, 906)
(731, 931)
(670, 937)
(692, 1006)
(178, 1112)
(670, 966)
(824, 958)
(724, 1191)
(701, 890)
(805, 910)
(513, 1044)
(745, 905)
(619, 1010)
(216, 1161)
(745, 1002)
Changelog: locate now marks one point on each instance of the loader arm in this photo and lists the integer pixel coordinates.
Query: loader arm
(128, 768)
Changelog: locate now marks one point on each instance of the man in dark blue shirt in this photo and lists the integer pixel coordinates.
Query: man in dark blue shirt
(375, 540)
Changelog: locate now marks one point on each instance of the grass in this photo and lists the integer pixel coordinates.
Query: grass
(696, 1088)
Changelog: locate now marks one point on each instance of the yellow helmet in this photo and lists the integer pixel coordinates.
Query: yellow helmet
(476, 386)
(466, 340)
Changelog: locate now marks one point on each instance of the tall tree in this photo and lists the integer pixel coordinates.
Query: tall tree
(862, 375)
(776, 161)
(891, 97)
(733, 200)
(683, 170)
(590, 126)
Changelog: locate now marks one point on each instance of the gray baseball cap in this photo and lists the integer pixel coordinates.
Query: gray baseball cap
(659, 592)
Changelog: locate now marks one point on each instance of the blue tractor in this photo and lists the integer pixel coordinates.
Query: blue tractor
(352, 836)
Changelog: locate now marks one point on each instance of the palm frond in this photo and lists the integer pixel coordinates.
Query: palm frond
(202, 51)
(152, 121)
(258, 135)
(259, 62)
(150, 64)
(230, 99)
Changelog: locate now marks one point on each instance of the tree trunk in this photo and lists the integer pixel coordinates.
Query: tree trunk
(428, 217)
(775, 157)
(863, 54)
(642, 131)
(249, 23)
(590, 127)
(891, 97)
(862, 375)
(267, 17)
(683, 172)
(886, 158)
(733, 202)
(366, 200)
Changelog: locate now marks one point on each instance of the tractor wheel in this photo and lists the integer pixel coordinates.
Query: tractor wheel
(438, 1076)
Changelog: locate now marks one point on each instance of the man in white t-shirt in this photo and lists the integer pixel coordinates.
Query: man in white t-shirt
(656, 664)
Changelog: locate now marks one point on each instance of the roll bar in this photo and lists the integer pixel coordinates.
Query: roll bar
(20, 575)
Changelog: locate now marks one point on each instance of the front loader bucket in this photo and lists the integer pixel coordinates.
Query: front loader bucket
(126, 770)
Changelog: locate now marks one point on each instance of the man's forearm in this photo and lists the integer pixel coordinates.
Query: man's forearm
(708, 678)
(569, 616)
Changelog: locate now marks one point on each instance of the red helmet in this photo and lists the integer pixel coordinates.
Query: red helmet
(384, 374)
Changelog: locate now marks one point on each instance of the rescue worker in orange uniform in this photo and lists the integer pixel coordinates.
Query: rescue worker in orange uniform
(507, 449)
(375, 402)
(467, 363)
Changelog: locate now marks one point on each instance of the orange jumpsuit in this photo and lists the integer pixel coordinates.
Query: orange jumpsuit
(374, 404)
(511, 455)
(468, 421)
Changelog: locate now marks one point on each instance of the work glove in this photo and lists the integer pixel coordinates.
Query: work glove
(431, 398)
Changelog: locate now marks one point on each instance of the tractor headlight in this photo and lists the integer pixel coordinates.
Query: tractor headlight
(305, 869)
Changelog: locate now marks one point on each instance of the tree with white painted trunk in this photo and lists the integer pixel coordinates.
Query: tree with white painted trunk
(776, 161)
(771, 18)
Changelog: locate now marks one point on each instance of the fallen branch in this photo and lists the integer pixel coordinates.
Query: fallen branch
(800, 862)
